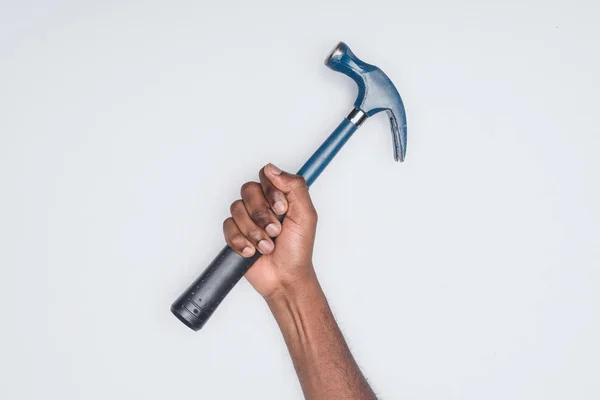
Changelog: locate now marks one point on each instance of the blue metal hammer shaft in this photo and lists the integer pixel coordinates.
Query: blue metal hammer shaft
(325, 153)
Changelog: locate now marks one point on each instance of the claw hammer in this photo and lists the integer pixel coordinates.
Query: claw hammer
(376, 93)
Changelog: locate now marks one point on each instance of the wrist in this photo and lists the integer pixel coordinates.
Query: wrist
(299, 310)
(303, 290)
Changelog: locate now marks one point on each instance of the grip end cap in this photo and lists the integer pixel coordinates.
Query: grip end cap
(194, 322)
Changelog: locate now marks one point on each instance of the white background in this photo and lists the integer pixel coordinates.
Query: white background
(471, 271)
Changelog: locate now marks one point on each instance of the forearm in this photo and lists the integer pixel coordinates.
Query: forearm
(321, 357)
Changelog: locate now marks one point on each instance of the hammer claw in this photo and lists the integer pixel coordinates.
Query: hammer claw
(376, 93)
(398, 136)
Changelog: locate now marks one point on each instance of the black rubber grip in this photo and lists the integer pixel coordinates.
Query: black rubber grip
(195, 306)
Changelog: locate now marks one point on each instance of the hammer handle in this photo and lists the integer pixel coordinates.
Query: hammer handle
(195, 306)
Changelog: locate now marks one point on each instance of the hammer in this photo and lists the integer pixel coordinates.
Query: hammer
(376, 93)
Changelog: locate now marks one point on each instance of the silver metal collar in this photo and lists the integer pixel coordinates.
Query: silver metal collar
(357, 116)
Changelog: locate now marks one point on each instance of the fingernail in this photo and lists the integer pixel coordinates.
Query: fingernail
(279, 207)
(272, 230)
(265, 247)
(275, 169)
(247, 252)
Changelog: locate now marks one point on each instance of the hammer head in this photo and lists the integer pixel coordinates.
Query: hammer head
(376, 93)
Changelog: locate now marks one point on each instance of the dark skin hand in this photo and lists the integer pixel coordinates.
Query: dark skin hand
(286, 278)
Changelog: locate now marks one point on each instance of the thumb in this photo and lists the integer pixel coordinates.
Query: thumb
(295, 190)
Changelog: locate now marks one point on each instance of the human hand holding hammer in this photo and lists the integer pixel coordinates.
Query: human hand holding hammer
(254, 223)
(285, 277)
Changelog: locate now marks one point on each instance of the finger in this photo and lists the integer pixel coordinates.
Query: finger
(259, 209)
(236, 240)
(294, 187)
(274, 196)
(255, 234)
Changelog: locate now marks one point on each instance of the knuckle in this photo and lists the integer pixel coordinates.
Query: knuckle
(274, 194)
(235, 206)
(255, 233)
(237, 241)
(261, 215)
(248, 189)
(269, 191)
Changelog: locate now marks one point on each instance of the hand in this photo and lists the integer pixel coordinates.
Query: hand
(285, 277)
(253, 224)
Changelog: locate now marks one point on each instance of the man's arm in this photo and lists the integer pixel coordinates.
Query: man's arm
(285, 277)
(322, 359)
